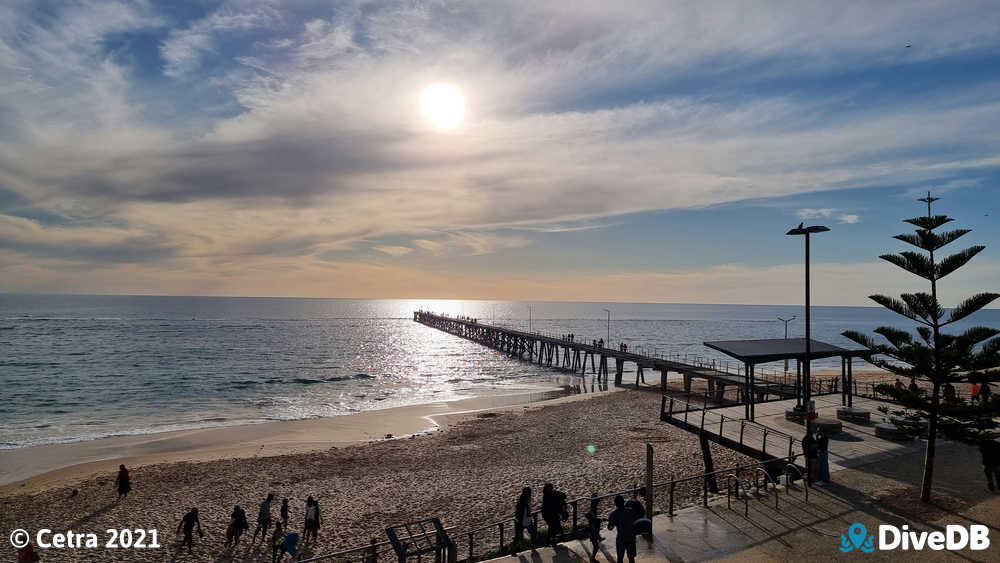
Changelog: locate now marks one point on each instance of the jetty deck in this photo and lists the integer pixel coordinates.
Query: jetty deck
(562, 353)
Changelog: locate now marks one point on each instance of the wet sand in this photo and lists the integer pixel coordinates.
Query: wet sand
(41, 467)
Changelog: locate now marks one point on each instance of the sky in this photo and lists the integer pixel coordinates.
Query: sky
(613, 151)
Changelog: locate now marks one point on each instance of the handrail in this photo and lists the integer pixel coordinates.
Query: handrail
(805, 482)
(767, 477)
(729, 489)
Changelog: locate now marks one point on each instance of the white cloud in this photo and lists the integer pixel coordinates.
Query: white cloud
(808, 213)
(394, 251)
(849, 218)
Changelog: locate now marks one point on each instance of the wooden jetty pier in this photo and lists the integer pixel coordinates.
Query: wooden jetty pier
(572, 355)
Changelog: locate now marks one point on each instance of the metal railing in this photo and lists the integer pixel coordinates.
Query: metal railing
(492, 539)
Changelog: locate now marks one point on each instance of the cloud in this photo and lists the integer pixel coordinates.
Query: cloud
(284, 132)
(814, 213)
(849, 218)
(394, 251)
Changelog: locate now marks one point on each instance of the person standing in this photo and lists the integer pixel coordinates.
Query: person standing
(991, 462)
(553, 510)
(277, 543)
(237, 525)
(313, 520)
(822, 457)
(188, 524)
(809, 451)
(123, 482)
(523, 520)
(284, 512)
(263, 519)
(594, 526)
(622, 518)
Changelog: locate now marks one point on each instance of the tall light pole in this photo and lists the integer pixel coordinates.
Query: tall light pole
(786, 321)
(609, 326)
(494, 314)
(806, 382)
(529, 318)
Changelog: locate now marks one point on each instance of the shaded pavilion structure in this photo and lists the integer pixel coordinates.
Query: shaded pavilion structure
(762, 351)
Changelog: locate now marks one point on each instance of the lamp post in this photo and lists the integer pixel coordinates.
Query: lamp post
(609, 326)
(807, 391)
(529, 318)
(786, 321)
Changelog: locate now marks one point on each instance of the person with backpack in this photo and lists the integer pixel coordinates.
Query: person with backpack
(641, 524)
(263, 519)
(237, 525)
(622, 519)
(553, 511)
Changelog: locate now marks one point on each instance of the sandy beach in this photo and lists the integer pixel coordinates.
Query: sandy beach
(469, 474)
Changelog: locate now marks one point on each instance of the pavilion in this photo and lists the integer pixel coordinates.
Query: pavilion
(753, 352)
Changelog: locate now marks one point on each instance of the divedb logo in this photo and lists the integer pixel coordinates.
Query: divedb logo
(954, 538)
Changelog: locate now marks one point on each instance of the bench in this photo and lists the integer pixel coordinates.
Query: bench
(855, 415)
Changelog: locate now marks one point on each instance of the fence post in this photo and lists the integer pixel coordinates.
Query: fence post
(574, 518)
(501, 536)
(649, 480)
(670, 508)
(471, 535)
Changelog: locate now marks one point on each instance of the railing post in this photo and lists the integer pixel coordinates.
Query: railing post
(670, 507)
(574, 518)
(471, 541)
(372, 552)
(704, 491)
(501, 536)
(742, 426)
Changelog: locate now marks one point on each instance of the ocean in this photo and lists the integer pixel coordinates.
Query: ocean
(77, 367)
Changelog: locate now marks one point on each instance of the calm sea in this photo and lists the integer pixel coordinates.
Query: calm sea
(84, 367)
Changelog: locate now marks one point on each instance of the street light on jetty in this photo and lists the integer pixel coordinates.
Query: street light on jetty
(529, 318)
(609, 326)
(786, 321)
(806, 382)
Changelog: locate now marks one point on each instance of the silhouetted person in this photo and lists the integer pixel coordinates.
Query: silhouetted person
(622, 518)
(237, 525)
(600, 343)
(991, 462)
(284, 512)
(594, 526)
(912, 388)
(188, 524)
(123, 482)
(263, 519)
(822, 457)
(641, 524)
(523, 520)
(899, 384)
(553, 510)
(985, 393)
(810, 451)
(313, 520)
(277, 543)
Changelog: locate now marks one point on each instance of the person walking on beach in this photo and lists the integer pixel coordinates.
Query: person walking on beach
(284, 512)
(822, 457)
(188, 524)
(237, 525)
(263, 519)
(523, 520)
(622, 518)
(553, 511)
(313, 520)
(123, 482)
(991, 462)
(809, 450)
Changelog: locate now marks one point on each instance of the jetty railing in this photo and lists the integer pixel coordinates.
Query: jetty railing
(496, 538)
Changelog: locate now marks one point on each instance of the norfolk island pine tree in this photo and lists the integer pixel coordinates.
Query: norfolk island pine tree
(936, 357)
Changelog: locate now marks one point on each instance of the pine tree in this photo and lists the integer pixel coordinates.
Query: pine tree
(939, 359)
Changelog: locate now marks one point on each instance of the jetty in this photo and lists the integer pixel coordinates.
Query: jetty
(724, 382)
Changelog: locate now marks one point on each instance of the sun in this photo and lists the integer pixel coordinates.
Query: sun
(443, 105)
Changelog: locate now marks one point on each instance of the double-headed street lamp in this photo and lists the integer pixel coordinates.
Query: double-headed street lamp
(806, 231)
(609, 326)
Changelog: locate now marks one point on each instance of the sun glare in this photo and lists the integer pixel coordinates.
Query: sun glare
(443, 105)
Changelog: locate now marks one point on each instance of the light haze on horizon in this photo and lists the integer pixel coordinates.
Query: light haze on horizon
(569, 151)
